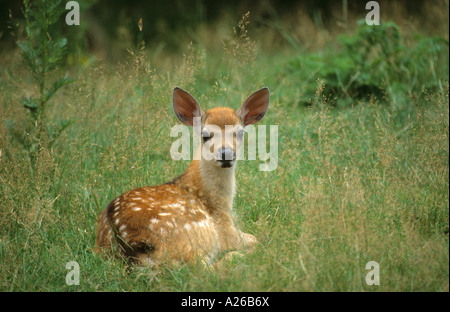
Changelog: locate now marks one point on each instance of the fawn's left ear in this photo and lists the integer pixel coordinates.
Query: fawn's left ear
(185, 106)
(255, 107)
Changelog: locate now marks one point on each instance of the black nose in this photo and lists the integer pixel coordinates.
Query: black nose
(226, 153)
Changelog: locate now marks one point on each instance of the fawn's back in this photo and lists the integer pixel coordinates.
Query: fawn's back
(191, 216)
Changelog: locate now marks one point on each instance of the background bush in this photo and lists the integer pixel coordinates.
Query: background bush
(373, 62)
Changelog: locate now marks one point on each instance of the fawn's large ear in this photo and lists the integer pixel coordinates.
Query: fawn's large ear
(185, 106)
(255, 107)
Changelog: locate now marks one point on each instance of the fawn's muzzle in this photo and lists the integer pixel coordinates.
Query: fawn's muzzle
(226, 157)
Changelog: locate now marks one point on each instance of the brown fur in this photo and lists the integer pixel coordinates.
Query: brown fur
(186, 219)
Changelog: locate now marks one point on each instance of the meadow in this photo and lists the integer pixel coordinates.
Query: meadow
(363, 161)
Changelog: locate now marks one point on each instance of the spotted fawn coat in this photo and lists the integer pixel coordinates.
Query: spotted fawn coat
(191, 216)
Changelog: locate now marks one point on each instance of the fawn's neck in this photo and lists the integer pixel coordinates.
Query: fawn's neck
(210, 182)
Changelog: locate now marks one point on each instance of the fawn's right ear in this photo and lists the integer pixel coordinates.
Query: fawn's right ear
(185, 106)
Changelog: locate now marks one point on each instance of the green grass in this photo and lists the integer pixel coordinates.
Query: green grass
(360, 183)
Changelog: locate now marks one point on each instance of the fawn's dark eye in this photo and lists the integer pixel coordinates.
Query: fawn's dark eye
(206, 135)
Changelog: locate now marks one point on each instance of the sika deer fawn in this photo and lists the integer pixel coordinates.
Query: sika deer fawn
(191, 216)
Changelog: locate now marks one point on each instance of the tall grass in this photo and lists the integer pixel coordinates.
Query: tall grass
(353, 185)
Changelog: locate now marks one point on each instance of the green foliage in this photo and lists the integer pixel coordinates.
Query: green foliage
(373, 62)
(42, 54)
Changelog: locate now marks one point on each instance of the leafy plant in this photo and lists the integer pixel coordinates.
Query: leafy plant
(42, 54)
(373, 62)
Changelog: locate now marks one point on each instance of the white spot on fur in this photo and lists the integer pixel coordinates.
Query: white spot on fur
(117, 221)
(200, 224)
(187, 226)
(164, 214)
(137, 208)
